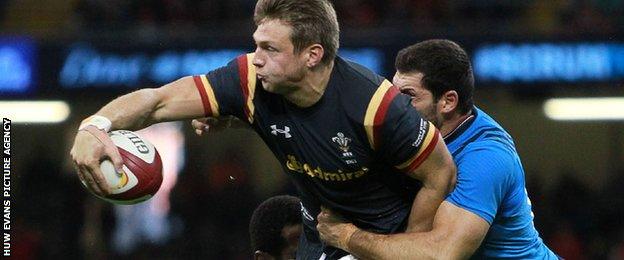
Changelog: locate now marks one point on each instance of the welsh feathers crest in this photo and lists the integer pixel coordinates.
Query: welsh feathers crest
(342, 141)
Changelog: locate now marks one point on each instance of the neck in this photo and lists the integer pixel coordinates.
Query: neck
(312, 87)
(455, 121)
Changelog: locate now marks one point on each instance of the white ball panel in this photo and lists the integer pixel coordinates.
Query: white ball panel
(134, 144)
(119, 183)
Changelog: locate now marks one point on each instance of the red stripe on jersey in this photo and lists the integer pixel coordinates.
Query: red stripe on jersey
(204, 96)
(380, 116)
(244, 81)
(425, 153)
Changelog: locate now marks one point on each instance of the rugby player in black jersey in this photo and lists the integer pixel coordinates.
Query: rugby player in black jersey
(344, 135)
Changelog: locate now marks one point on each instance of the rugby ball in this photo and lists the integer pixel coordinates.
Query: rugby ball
(142, 169)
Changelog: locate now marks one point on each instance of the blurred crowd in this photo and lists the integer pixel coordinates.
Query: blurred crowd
(557, 16)
(566, 17)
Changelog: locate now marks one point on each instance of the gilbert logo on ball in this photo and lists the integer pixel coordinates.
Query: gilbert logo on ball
(142, 169)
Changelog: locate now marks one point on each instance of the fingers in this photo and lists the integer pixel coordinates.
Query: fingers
(80, 174)
(99, 179)
(88, 179)
(112, 152)
(325, 215)
(200, 125)
(196, 123)
(87, 153)
(329, 216)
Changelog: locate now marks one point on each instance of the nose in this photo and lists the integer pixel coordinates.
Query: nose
(258, 60)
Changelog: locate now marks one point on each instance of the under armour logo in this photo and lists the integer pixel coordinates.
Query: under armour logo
(285, 131)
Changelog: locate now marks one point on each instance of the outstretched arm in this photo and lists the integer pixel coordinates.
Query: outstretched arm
(175, 101)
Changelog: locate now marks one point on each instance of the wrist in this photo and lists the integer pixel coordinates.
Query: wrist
(350, 231)
(99, 122)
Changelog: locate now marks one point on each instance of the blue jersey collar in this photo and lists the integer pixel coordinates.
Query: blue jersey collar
(461, 128)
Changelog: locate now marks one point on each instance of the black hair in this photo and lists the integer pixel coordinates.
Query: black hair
(445, 66)
(268, 220)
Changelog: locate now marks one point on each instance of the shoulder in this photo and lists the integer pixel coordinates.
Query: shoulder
(237, 70)
(485, 174)
(234, 85)
(356, 82)
(363, 92)
(487, 161)
(363, 76)
(483, 132)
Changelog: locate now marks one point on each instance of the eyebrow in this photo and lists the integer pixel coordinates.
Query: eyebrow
(263, 42)
(255, 38)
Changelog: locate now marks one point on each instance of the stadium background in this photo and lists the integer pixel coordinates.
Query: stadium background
(86, 52)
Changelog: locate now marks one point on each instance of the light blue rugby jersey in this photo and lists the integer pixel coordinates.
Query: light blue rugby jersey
(490, 183)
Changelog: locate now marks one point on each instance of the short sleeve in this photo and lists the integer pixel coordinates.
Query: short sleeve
(396, 131)
(481, 181)
(229, 90)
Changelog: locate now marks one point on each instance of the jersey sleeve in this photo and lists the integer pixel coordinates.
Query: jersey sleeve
(396, 131)
(229, 90)
(481, 181)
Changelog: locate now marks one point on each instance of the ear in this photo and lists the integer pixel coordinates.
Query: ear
(260, 255)
(315, 55)
(448, 102)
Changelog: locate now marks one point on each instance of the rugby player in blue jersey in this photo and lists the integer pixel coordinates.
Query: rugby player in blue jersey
(345, 136)
(488, 214)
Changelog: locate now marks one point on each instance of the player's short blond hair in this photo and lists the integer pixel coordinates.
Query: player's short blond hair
(312, 21)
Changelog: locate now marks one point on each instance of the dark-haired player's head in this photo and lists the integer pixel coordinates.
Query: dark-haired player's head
(438, 75)
(293, 37)
(275, 228)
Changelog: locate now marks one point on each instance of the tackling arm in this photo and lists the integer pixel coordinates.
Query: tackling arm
(456, 234)
(438, 175)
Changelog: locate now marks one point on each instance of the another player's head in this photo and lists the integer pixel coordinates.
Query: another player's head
(438, 75)
(275, 228)
(293, 38)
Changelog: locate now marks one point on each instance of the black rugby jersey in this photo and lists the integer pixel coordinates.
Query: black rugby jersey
(349, 151)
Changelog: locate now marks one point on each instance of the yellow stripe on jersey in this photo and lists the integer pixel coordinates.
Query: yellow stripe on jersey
(214, 105)
(251, 86)
(431, 132)
(371, 111)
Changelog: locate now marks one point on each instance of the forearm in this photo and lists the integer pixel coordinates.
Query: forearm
(424, 208)
(437, 175)
(177, 100)
(366, 245)
(132, 111)
(456, 234)
(433, 192)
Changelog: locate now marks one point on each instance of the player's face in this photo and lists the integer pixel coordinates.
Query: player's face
(277, 65)
(422, 98)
